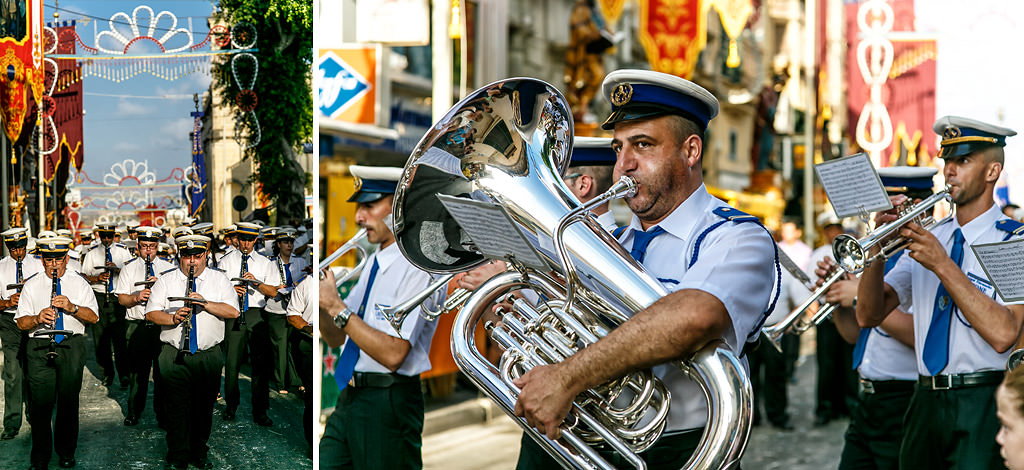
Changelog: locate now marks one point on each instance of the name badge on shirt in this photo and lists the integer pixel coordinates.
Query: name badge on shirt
(982, 284)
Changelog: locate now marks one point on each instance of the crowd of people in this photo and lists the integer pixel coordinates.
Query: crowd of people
(913, 353)
(180, 309)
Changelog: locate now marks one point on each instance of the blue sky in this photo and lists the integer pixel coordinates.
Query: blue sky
(143, 118)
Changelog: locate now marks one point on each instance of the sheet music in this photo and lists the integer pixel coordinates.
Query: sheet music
(852, 185)
(1002, 263)
(492, 230)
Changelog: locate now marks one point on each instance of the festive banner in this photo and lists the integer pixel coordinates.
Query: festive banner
(612, 9)
(734, 15)
(21, 60)
(672, 32)
(197, 178)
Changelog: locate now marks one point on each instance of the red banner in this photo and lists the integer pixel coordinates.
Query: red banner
(672, 32)
(21, 60)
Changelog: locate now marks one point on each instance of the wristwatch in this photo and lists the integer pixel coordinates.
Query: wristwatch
(341, 319)
(1015, 359)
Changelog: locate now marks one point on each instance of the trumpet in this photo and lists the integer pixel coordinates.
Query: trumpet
(853, 255)
(352, 244)
(796, 322)
(396, 314)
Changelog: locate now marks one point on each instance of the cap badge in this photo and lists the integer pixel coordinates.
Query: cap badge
(191, 244)
(359, 183)
(951, 132)
(53, 246)
(621, 94)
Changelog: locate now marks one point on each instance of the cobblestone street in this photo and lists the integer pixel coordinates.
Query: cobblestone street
(105, 443)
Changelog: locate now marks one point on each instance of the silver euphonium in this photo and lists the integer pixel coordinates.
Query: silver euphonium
(352, 244)
(506, 145)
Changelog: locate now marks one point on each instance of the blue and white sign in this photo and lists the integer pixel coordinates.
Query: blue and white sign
(340, 85)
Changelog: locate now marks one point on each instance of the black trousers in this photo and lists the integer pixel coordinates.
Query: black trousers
(109, 337)
(13, 341)
(670, 452)
(55, 383)
(837, 381)
(301, 347)
(951, 429)
(278, 331)
(769, 378)
(872, 441)
(190, 384)
(375, 428)
(143, 350)
(254, 335)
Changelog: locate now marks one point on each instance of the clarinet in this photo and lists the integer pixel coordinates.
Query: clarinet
(186, 329)
(240, 322)
(51, 354)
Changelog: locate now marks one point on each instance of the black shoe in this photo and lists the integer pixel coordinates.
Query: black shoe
(228, 415)
(125, 383)
(131, 420)
(67, 463)
(8, 434)
(784, 425)
(37, 466)
(263, 420)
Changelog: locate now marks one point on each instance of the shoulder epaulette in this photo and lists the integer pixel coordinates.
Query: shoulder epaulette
(83, 276)
(120, 245)
(215, 269)
(169, 270)
(617, 231)
(129, 261)
(733, 214)
(1011, 226)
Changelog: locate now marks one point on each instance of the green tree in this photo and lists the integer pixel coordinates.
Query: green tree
(284, 30)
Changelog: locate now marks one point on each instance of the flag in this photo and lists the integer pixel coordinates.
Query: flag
(197, 179)
(21, 62)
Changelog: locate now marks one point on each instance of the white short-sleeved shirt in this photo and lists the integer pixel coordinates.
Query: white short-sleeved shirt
(212, 284)
(97, 257)
(37, 295)
(607, 221)
(397, 280)
(295, 266)
(262, 268)
(917, 286)
(304, 298)
(736, 264)
(135, 271)
(8, 275)
(885, 358)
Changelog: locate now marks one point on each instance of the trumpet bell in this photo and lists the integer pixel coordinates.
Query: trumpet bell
(849, 254)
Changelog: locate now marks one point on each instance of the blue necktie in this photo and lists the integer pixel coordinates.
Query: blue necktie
(349, 355)
(862, 338)
(936, 342)
(640, 242)
(288, 275)
(59, 324)
(193, 337)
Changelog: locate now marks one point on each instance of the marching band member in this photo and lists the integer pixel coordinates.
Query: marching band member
(723, 293)
(378, 371)
(190, 360)
(302, 311)
(59, 299)
(14, 269)
(963, 329)
(74, 258)
(143, 337)
(263, 281)
(289, 269)
(108, 332)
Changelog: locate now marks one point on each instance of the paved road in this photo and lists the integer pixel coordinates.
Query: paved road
(495, 445)
(104, 443)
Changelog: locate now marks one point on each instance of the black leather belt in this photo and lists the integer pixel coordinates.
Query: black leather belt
(885, 386)
(949, 382)
(380, 380)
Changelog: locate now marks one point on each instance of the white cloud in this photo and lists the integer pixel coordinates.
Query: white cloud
(127, 107)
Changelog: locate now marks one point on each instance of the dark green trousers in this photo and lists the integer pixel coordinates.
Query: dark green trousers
(670, 452)
(301, 347)
(951, 429)
(254, 336)
(837, 381)
(872, 440)
(52, 384)
(190, 383)
(108, 336)
(13, 341)
(277, 331)
(143, 350)
(375, 428)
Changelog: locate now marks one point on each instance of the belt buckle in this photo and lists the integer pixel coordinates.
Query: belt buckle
(942, 384)
(866, 386)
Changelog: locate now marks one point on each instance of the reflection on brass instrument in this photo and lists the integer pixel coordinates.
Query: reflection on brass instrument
(396, 314)
(352, 244)
(797, 322)
(854, 255)
(521, 133)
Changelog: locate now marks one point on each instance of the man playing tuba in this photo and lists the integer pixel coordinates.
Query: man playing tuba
(718, 262)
